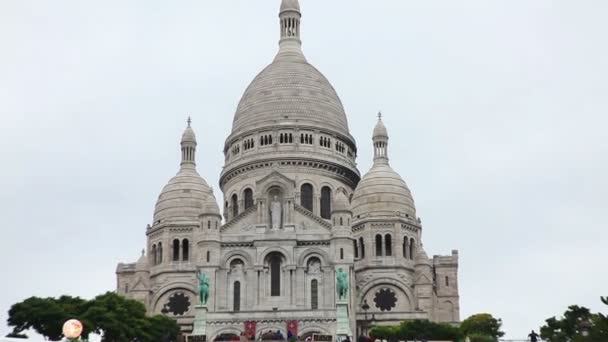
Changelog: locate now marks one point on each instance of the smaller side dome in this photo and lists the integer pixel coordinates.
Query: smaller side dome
(341, 202)
(185, 195)
(382, 192)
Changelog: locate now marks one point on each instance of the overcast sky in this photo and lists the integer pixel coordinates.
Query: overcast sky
(496, 110)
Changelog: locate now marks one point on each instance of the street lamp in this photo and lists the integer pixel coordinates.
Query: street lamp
(365, 307)
(584, 325)
(72, 329)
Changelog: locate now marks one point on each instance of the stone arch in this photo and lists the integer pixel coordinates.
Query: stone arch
(275, 179)
(273, 327)
(243, 195)
(186, 287)
(312, 252)
(314, 328)
(400, 285)
(280, 250)
(310, 181)
(226, 330)
(227, 258)
(449, 310)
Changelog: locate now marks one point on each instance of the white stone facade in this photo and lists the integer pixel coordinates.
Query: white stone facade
(290, 145)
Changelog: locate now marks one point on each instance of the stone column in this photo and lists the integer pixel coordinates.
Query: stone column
(300, 286)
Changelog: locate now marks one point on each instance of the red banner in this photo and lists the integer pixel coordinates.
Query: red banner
(292, 328)
(250, 329)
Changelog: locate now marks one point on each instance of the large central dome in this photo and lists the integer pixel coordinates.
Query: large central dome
(290, 114)
(289, 91)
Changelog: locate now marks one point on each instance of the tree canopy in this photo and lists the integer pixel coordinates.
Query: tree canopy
(482, 324)
(572, 325)
(114, 317)
(417, 329)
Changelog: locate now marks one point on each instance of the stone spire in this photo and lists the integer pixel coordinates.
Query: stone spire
(290, 43)
(380, 139)
(188, 144)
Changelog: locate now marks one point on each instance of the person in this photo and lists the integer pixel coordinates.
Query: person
(533, 336)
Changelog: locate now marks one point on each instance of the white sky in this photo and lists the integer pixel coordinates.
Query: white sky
(496, 112)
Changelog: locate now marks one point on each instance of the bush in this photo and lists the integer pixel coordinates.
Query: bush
(481, 338)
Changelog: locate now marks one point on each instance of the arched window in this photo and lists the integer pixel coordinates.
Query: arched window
(412, 249)
(185, 250)
(154, 256)
(341, 253)
(236, 306)
(208, 256)
(306, 196)
(388, 245)
(341, 221)
(160, 252)
(235, 205)
(356, 248)
(176, 250)
(314, 294)
(208, 224)
(447, 281)
(248, 198)
(378, 245)
(362, 245)
(326, 203)
(405, 249)
(275, 274)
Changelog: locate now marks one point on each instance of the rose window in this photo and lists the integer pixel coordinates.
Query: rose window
(385, 299)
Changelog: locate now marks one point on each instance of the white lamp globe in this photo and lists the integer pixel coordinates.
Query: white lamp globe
(72, 328)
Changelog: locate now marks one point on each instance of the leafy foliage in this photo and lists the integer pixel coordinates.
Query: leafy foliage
(114, 317)
(45, 315)
(417, 329)
(570, 327)
(482, 324)
(474, 337)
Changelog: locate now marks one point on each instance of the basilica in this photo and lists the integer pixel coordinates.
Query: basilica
(295, 212)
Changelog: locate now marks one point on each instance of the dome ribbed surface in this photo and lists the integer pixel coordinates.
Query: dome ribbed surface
(290, 5)
(380, 130)
(286, 91)
(382, 192)
(183, 198)
(188, 135)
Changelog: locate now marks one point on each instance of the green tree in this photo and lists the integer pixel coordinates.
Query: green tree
(417, 329)
(114, 317)
(482, 324)
(571, 327)
(45, 315)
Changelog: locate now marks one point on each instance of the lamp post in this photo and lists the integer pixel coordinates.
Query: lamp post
(584, 325)
(365, 307)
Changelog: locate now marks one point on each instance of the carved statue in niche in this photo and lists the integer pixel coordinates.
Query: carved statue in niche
(275, 212)
(314, 266)
(236, 266)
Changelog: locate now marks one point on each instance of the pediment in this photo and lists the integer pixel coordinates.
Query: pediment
(243, 224)
(423, 279)
(139, 285)
(276, 178)
(307, 222)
